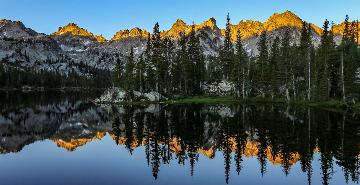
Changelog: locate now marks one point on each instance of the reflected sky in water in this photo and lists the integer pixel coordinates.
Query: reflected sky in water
(67, 140)
(102, 162)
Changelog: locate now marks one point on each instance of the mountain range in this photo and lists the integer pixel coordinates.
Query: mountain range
(71, 46)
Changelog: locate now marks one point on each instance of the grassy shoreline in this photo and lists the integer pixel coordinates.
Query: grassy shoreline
(41, 89)
(332, 104)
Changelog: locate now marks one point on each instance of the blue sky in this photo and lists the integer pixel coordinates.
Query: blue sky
(108, 16)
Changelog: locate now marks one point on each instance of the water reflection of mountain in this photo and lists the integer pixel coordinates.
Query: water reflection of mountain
(273, 135)
(62, 121)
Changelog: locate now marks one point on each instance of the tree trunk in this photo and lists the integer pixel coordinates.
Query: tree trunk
(287, 94)
(243, 83)
(309, 77)
(293, 84)
(342, 77)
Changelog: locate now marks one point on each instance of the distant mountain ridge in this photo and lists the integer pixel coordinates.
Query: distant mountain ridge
(72, 46)
(248, 28)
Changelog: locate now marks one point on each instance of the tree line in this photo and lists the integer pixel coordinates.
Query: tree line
(164, 69)
(14, 76)
(283, 69)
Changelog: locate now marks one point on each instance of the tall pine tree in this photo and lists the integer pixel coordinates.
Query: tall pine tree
(129, 76)
(239, 73)
(275, 80)
(197, 62)
(140, 74)
(304, 59)
(227, 51)
(261, 64)
(349, 59)
(156, 57)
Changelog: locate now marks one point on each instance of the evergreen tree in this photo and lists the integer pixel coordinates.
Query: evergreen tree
(213, 70)
(274, 60)
(357, 32)
(334, 66)
(286, 64)
(140, 74)
(168, 48)
(2, 75)
(149, 66)
(178, 70)
(239, 72)
(304, 56)
(227, 51)
(347, 35)
(348, 59)
(118, 73)
(196, 63)
(323, 64)
(129, 75)
(156, 56)
(261, 64)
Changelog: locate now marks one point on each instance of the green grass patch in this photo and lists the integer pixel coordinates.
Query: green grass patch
(334, 105)
(204, 100)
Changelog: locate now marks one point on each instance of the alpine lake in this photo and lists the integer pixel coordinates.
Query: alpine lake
(62, 138)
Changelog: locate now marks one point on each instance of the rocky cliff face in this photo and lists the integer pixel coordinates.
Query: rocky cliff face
(72, 46)
(15, 29)
(24, 47)
(74, 30)
(135, 32)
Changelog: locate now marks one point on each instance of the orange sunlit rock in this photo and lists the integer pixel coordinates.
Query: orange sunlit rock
(251, 28)
(73, 144)
(75, 30)
(251, 148)
(210, 153)
(135, 32)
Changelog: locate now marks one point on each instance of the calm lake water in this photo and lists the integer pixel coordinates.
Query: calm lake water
(57, 138)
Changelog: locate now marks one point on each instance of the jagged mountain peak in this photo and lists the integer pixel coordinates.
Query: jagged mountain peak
(284, 19)
(179, 23)
(75, 30)
(287, 13)
(287, 19)
(134, 32)
(100, 38)
(210, 23)
(175, 30)
(180, 26)
(250, 28)
(6, 21)
(15, 29)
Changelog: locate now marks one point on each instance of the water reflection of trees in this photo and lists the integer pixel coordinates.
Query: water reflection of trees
(275, 135)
